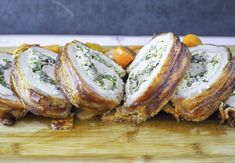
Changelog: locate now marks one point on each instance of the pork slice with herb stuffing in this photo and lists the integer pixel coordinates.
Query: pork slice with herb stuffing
(91, 80)
(208, 82)
(153, 78)
(34, 82)
(11, 108)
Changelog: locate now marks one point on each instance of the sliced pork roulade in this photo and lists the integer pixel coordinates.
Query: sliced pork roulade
(90, 79)
(209, 81)
(153, 77)
(33, 80)
(10, 107)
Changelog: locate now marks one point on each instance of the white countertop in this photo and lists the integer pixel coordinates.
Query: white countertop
(15, 40)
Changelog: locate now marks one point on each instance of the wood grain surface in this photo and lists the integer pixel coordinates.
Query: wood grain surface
(159, 139)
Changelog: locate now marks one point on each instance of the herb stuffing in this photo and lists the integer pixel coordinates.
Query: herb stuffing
(200, 66)
(152, 60)
(37, 61)
(106, 81)
(87, 59)
(92, 55)
(5, 65)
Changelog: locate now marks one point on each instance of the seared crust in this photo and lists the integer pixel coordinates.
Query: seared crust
(13, 103)
(34, 101)
(9, 113)
(76, 90)
(200, 107)
(161, 89)
(7, 107)
(168, 108)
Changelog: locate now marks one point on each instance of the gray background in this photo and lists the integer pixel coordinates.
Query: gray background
(117, 17)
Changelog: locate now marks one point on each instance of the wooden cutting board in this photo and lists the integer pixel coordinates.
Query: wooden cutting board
(159, 139)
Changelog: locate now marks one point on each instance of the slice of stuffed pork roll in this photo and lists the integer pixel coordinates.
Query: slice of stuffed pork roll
(209, 81)
(11, 108)
(153, 77)
(91, 80)
(33, 80)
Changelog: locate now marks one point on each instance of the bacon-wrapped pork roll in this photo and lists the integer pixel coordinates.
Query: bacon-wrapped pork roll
(10, 107)
(153, 78)
(91, 80)
(33, 80)
(209, 81)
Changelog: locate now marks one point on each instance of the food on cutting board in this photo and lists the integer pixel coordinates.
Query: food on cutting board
(123, 56)
(11, 108)
(209, 81)
(135, 49)
(33, 80)
(191, 40)
(54, 48)
(227, 110)
(153, 77)
(94, 46)
(189, 83)
(91, 80)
